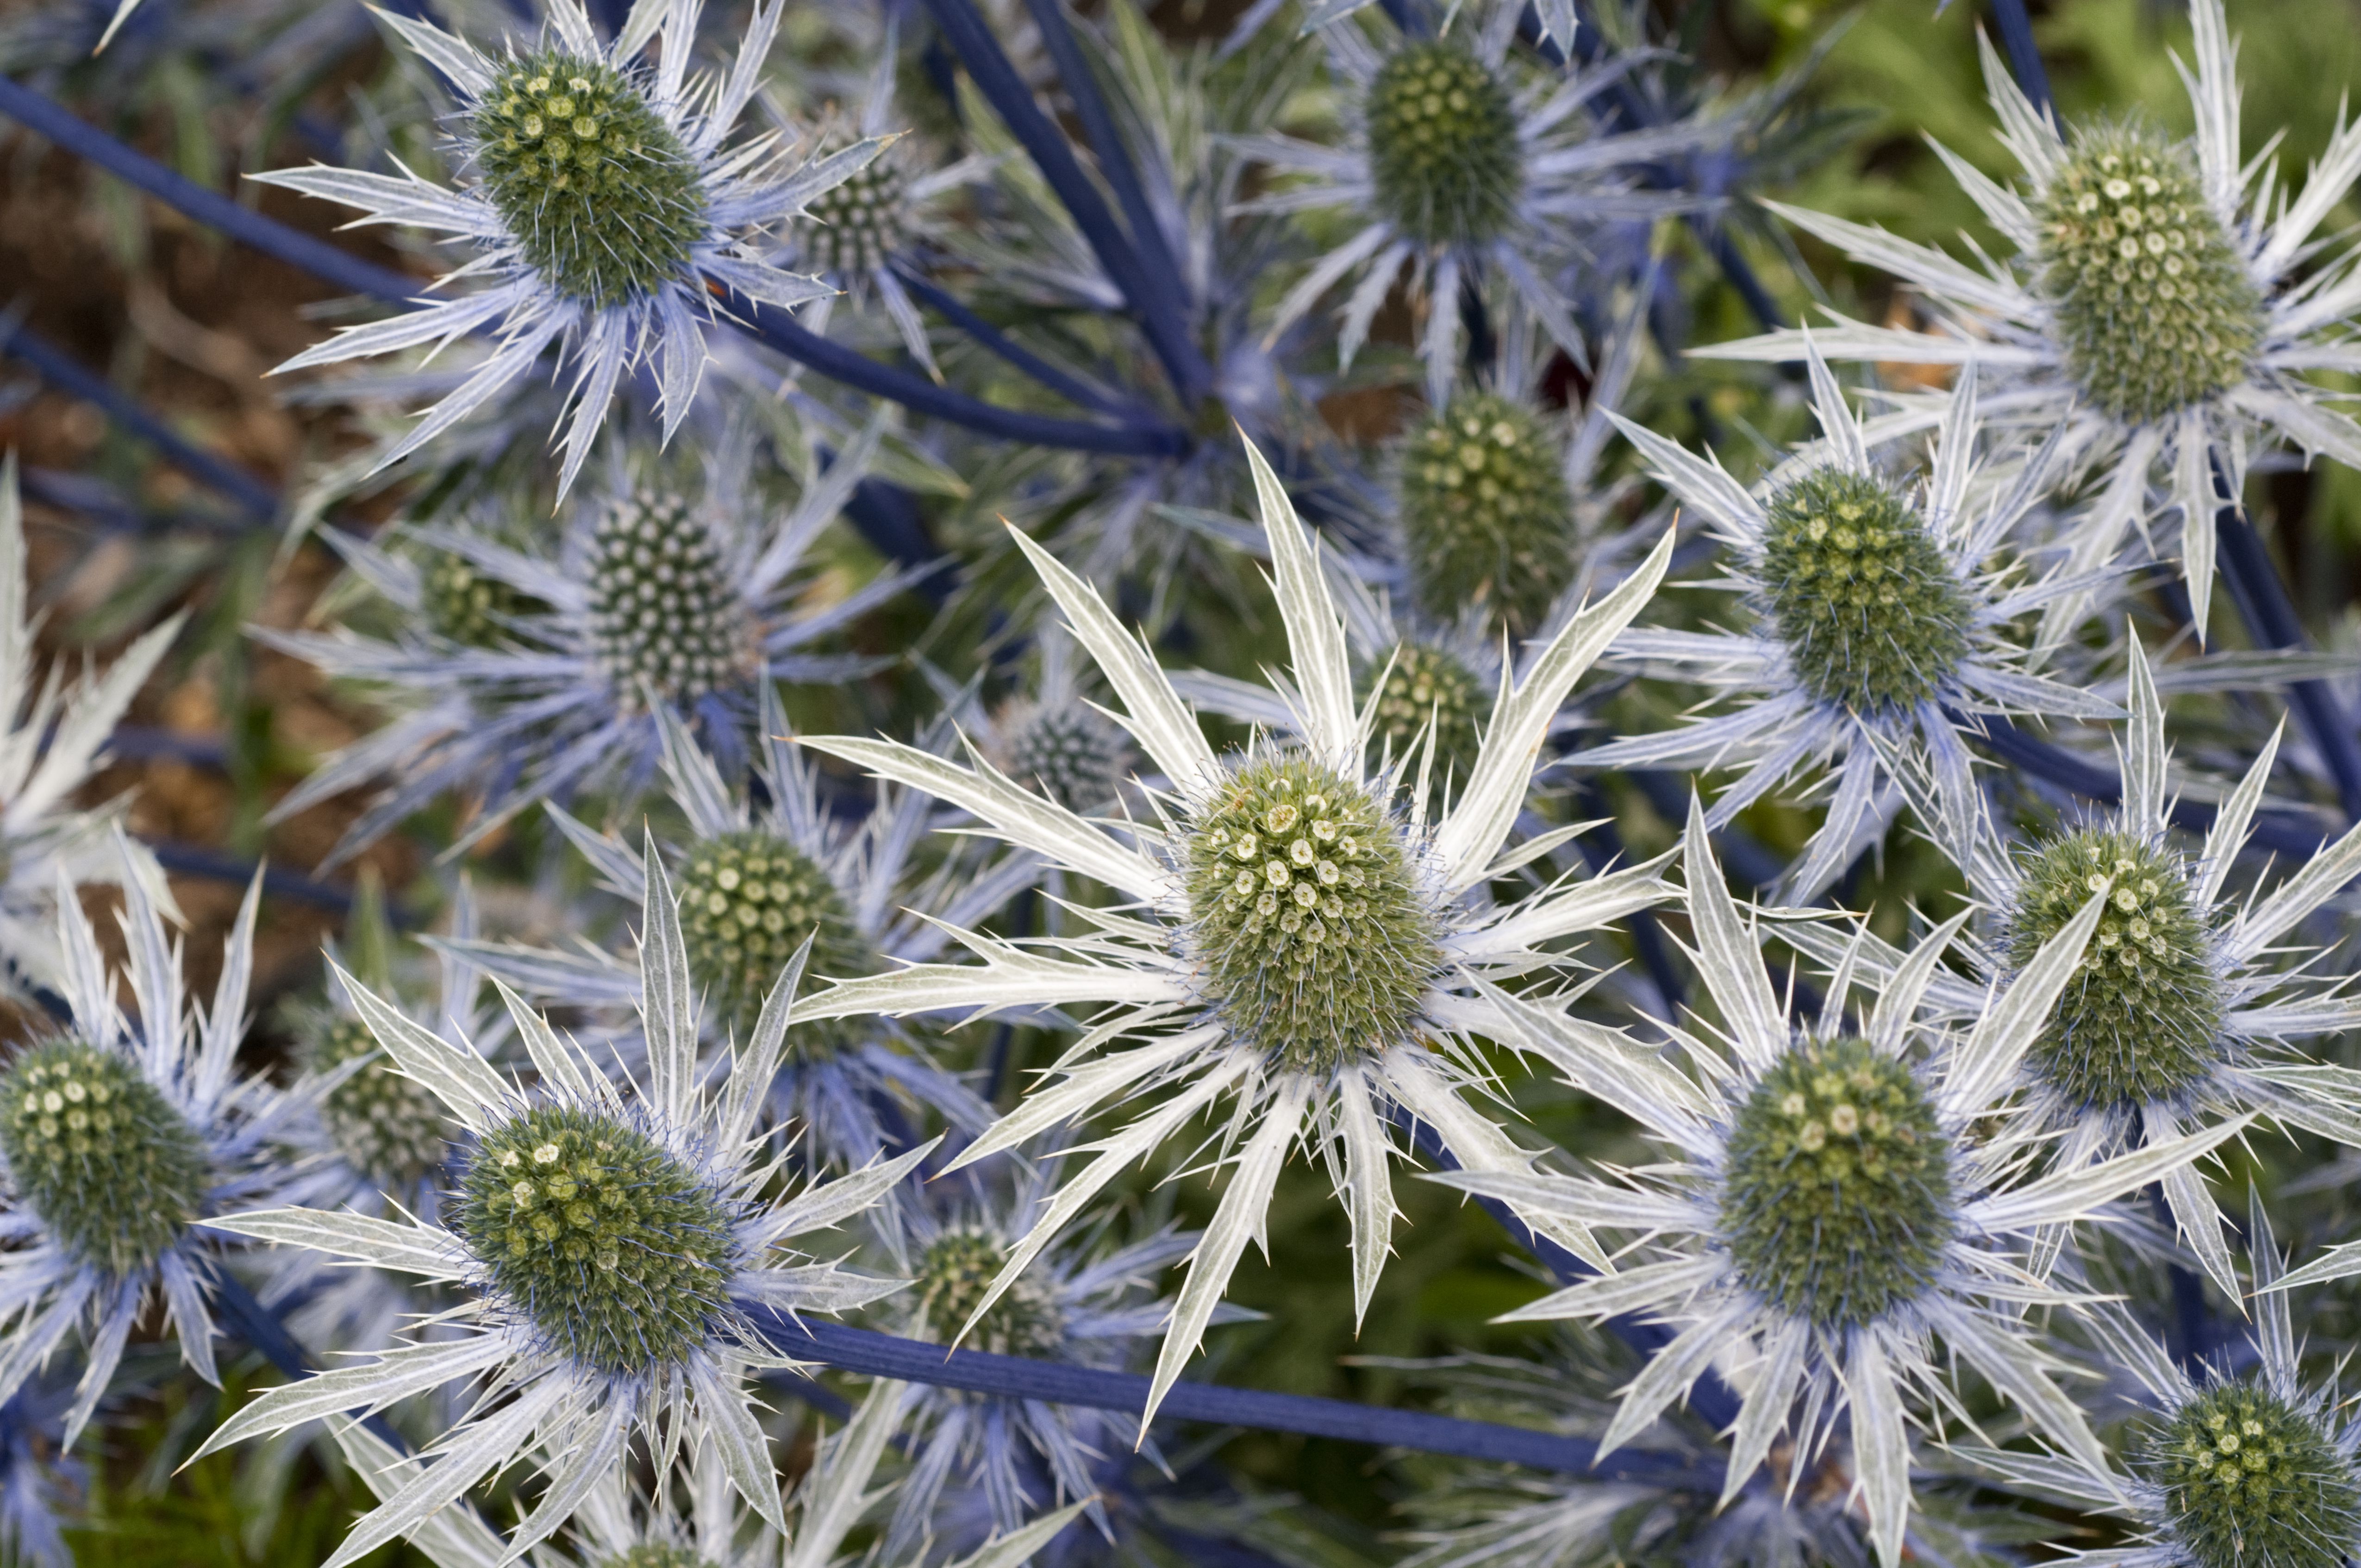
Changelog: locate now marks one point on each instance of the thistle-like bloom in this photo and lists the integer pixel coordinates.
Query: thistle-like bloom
(2229, 1470)
(53, 732)
(604, 196)
(1054, 738)
(2165, 305)
(120, 1139)
(1462, 171)
(614, 1249)
(2185, 1002)
(1834, 1204)
(1301, 944)
(756, 883)
(651, 601)
(1880, 622)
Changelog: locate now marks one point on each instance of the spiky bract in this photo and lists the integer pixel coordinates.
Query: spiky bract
(2155, 308)
(1443, 150)
(2142, 1019)
(468, 604)
(1430, 685)
(113, 1168)
(616, 1251)
(857, 227)
(389, 1127)
(663, 607)
(1307, 917)
(1873, 617)
(1074, 754)
(747, 901)
(1486, 514)
(2251, 1480)
(956, 1270)
(602, 198)
(656, 1554)
(1836, 1199)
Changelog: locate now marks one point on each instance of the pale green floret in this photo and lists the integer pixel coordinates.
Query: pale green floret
(389, 1128)
(470, 606)
(2152, 300)
(1836, 1198)
(1486, 513)
(1443, 150)
(1873, 617)
(604, 201)
(958, 1268)
(614, 1251)
(663, 607)
(1076, 756)
(2141, 1020)
(860, 225)
(2251, 1481)
(655, 1554)
(111, 1166)
(1306, 915)
(1432, 687)
(747, 901)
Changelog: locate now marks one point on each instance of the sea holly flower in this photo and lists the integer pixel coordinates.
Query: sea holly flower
(53, 737)
(120, 1140)
(2228, 1470)
(2166, 303)
(1460, 167)
(1301, 944)
(1833, 1203)
(2185, 1005)
(611, 1247)
(757, 881)
(1881, 622)
(654, 600)
(605, 197)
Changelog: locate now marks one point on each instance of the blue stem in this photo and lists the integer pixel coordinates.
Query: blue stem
(1066, 385)
(2024, 54)
(2262, 599)
(195, 859)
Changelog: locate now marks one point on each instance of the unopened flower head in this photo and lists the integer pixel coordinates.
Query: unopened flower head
(1300, 938)
(1425, 685)
(111, 1165)
(749, 900)
(1486, 513)
(388, 1128)
(663, 608)
(861, 223)
(1445, 154)
(955, 1272)
(462, 602)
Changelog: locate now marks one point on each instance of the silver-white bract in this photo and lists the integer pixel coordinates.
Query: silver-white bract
(746, 189)
(1139, 966)
(1786, 726)
(1994, 318)
(535, 1395)
(1797, 1374)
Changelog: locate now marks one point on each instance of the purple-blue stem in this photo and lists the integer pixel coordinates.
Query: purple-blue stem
(1064, 383)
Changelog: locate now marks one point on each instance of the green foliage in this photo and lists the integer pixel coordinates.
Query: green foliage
(1872, 615)
(747, 901)
(613, 1248)
(1311, 927)
(1486, 514)
(1836, 1203)
(662, 608)
(1443, 145)
(2141, 1018)
(601, 195)
(2251, 1481)
(114, 1171)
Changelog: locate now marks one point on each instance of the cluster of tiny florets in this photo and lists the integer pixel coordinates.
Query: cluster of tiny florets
(1444, 150)
(1428, 685)
(2252, 1481)
(2141, 1020)
(1307, 918)
(1075, 756)
(389, 1128)
(612, 1249)
(747, 901)
(656, 1554)
(958, 1267)
(860, 225)
(462, 602)
(2152, 300)
(663, 607)
(1836, 1199)
(603, 200)
(1873, 617)
(112, 1168)
(1486, 513)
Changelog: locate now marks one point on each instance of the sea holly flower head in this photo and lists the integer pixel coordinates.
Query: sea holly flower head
(1840, 1198)
(615, 1251)
(2167, 304)
(605, 196)
(1486, 513)
(120, 1140)
(1303, 941)
(1883, 614)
